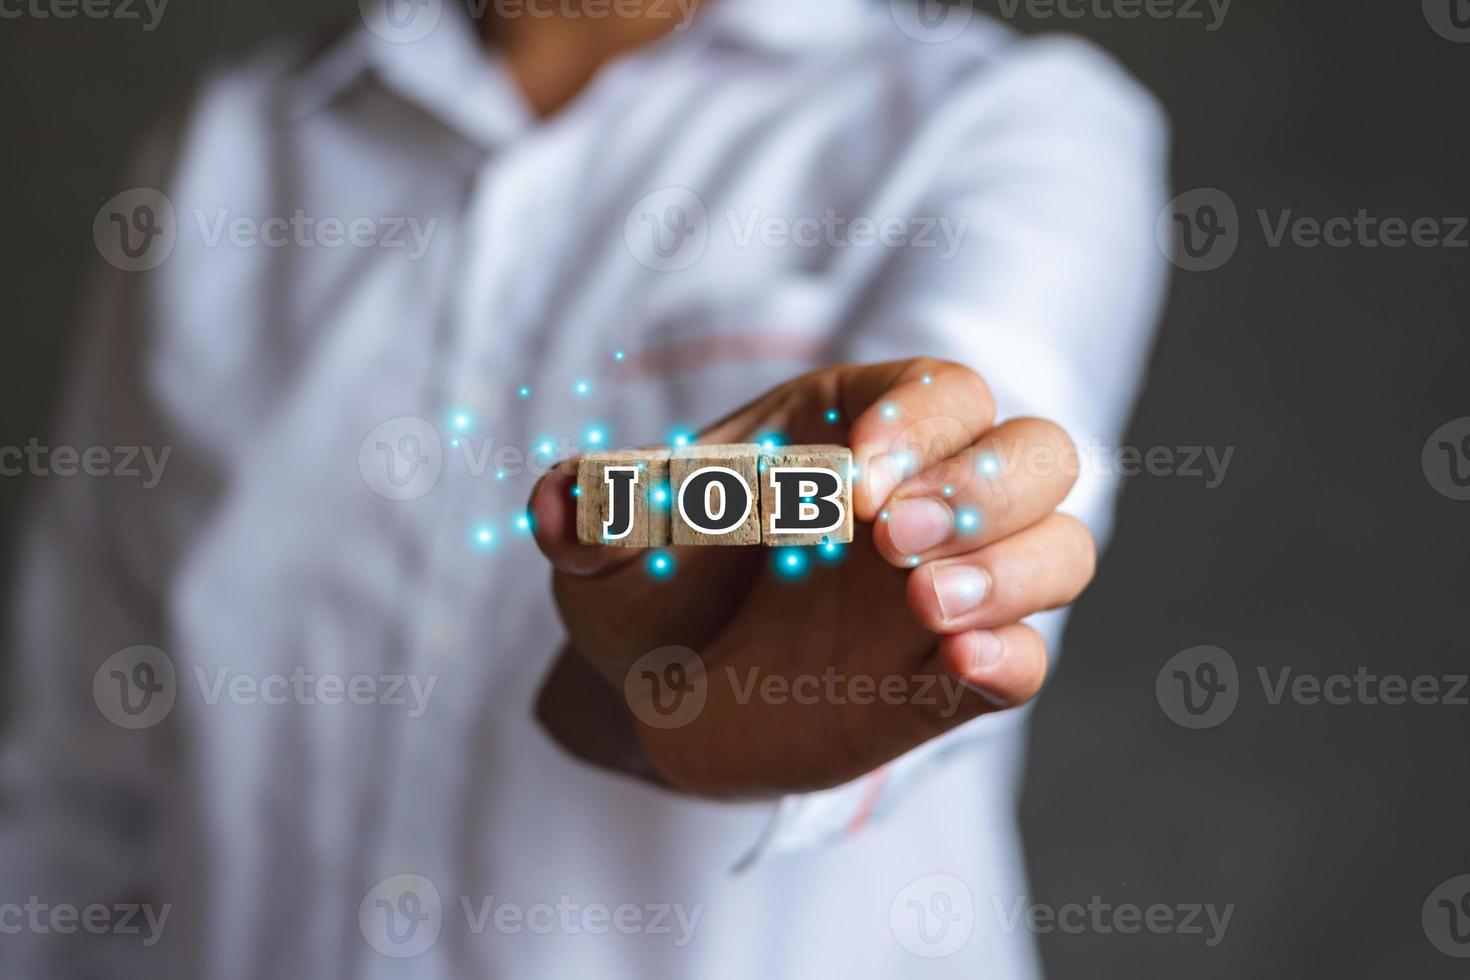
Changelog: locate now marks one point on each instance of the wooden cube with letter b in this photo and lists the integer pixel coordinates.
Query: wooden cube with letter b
(806, 495)
(623, 498)
(716, 496)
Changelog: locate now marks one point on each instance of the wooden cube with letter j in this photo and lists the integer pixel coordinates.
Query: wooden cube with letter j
(623, 498)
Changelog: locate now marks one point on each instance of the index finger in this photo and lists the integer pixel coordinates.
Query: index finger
(907, 416)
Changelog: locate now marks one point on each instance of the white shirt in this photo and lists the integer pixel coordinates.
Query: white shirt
(352, 674)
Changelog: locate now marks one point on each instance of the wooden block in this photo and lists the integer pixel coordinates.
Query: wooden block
(652, 498)
(781, 462)
(715, 486)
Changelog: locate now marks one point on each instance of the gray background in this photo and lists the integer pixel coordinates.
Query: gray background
(1325, 549)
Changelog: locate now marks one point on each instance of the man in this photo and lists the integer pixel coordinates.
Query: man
(309, 702)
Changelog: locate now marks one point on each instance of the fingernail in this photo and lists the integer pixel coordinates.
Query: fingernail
(958, 589)
(918, 524)
(988, 651)
(885, 473)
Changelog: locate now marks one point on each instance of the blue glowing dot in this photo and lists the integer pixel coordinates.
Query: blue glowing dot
(883, 515)
(967, 520)
(791, 563)
(830, 551)
(576, 491)
(660, 564)
(484, 536)
(582, 389)
(462, 421)
(660, 495)
(525, 391)
(833, 415)
(771, 440)
(545, 447)
(454, 443)
(927, 379)
(988, 464)
(618, 355)
(912, 560)
(890, 411)
(523, 523)
(595, 436)
(500, 474)
(681, 437)
(948, 490)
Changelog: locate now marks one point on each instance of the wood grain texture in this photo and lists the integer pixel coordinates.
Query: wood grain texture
(741, 458)
(835, 458)
(652, 499)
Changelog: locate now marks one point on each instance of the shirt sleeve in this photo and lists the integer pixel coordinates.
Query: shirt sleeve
(1046, 279)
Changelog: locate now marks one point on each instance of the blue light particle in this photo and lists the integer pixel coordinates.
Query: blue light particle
(967, 520)
(988, 464)
(483, 537)
(660, 564)
(890, 411)
(462, 421)
(830, 551)
(576, 491)
(790, 563)
(927, 379)
(525, 391)
(582, 388)
(596, 436)
(524, 524)
(771, 440)
(681, 437)
(833, 415)
(619, 355)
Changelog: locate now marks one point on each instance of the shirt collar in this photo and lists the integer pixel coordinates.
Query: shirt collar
(430, 52)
